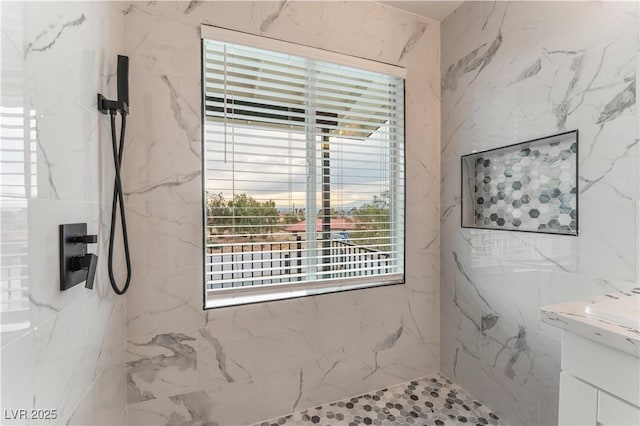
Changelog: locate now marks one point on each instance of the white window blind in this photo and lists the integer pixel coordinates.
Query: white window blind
(19, 156)
(304, 173)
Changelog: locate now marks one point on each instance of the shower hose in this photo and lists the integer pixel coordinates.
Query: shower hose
(118, 195)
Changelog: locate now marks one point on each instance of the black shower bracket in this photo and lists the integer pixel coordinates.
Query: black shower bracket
(106, 106)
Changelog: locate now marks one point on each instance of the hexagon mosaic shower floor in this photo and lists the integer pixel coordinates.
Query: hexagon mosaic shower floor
(432, 400)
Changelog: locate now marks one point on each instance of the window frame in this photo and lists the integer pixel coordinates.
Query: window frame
(236, 296)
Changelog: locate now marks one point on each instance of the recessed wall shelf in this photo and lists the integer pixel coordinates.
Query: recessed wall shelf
(530, 186)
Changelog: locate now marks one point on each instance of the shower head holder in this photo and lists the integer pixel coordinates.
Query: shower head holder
(106, 106)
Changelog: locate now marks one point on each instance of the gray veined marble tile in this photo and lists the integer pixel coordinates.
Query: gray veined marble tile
(419, 32)
(49, 37)
(249, 350)
(387, 343)
(257, 361)
(620, 102)
(264, 26)
(193, 4)
(529, 72)
(63, 345)
(160, 366)
(551, 72)
(220, 356)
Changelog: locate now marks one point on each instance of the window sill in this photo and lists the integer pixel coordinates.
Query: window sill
(271, 292)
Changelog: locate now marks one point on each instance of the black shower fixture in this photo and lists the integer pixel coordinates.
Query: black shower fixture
(112, 108)
(122, 104)
(76, 265)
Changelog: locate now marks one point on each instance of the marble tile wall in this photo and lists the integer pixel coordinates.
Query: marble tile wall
(514, 71)
(60, 351)
(244, 364)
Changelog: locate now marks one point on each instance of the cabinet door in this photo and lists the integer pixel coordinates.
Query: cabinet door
(614, 412)
(578, 402)
(602, 366)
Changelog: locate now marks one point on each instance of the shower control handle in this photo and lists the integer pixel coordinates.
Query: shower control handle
(76, 265)
(88, 262)
(85, 239)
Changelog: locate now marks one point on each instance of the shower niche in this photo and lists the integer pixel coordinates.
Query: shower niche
(530, 186)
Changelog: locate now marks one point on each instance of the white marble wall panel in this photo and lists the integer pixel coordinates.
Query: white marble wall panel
(61, 351)
(271, 357)
(513, 71)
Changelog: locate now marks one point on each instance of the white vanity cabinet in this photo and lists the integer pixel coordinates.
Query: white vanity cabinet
(600, 363)
(599, 385)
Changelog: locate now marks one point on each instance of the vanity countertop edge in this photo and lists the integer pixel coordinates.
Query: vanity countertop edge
(571, 317)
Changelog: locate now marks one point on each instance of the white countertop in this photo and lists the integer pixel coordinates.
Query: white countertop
(571, 317)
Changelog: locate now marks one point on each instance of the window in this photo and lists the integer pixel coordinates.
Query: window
(303, 170)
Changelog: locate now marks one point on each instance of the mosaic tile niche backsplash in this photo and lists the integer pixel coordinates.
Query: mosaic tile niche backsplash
(530, 186)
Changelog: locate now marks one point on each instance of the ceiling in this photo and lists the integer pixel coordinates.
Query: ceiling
(437, 10)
